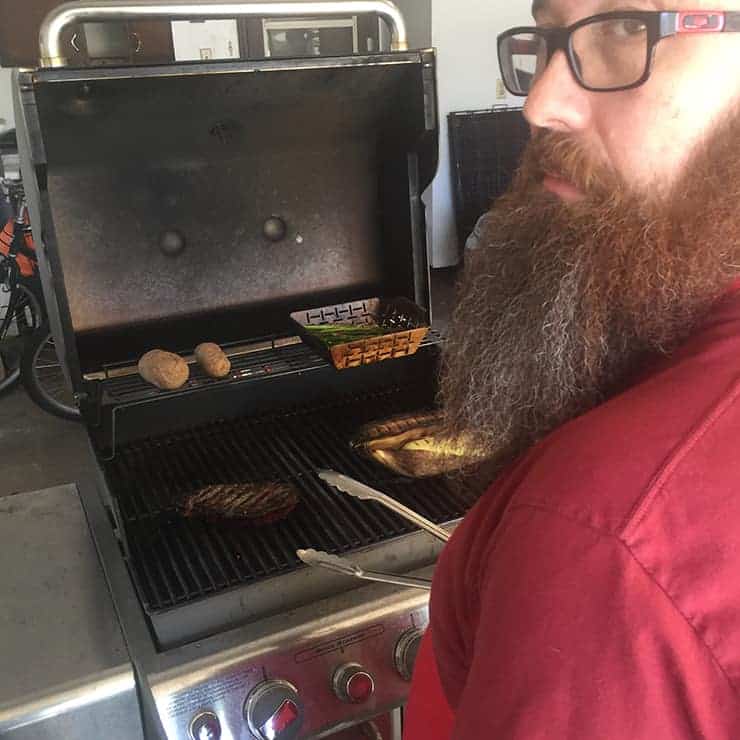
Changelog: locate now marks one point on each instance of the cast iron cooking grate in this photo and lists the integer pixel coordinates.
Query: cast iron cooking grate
(175, 560)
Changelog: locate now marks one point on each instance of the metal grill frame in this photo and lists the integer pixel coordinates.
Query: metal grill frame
(180, 565)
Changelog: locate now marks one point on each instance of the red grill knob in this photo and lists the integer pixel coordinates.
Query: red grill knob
(353, 684)
(273, 711)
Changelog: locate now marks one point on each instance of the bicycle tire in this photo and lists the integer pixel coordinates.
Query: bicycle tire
(30, 311)
(30, 317)
(42, 376)
(12, 370)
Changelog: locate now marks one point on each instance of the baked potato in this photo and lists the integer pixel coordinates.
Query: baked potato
(164, 370)
(213, 360)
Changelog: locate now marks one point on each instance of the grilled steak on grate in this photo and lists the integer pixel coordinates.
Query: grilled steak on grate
(259, 503)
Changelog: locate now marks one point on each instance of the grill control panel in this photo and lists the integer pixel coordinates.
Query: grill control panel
(342, 670)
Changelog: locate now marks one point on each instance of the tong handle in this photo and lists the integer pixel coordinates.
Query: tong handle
(319, 559)
(409, 581)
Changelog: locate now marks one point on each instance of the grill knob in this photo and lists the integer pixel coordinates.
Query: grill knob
(274, 711)
(205, 726)
(404, 656)
(353, 684)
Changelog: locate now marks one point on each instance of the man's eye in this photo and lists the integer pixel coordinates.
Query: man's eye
(626, 28)
(632, 27)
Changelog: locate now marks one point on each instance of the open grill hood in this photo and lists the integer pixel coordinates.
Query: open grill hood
(339, 149)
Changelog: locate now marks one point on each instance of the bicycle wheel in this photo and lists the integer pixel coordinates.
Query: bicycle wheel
(20, 315)
(10, 370)
(43, 378)
(20, 312)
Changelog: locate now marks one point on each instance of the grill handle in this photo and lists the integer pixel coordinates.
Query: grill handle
(75, 12)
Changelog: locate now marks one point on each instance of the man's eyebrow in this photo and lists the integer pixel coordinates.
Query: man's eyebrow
(543, 6)
(538, 6)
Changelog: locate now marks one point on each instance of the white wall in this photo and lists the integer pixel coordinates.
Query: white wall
(7, 120)
(464, 34)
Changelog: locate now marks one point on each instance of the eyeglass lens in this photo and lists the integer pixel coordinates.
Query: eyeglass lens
(523, 58)
(607, 54)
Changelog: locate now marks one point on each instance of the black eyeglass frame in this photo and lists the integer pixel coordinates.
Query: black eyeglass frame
(660, 24)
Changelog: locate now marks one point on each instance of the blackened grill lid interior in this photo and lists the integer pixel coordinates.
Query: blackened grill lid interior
(189, 206)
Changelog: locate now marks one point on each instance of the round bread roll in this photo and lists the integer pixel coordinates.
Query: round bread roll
(213, 360)
(164, 370)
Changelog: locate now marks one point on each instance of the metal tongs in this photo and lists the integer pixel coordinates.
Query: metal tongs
(341, 565)
(359, 490)
(318, 559)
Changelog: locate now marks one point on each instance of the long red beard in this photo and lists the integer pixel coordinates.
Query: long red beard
(562, 301)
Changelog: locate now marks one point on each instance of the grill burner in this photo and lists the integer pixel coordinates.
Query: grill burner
(176, 561)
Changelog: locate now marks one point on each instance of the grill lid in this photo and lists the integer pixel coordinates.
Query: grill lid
(206, 202)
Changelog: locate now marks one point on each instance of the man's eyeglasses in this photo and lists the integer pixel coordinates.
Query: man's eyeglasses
(606, 52)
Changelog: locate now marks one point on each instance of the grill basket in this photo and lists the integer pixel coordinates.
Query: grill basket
(388, 346)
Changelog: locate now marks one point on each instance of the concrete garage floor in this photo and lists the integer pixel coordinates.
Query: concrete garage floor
(39, 450)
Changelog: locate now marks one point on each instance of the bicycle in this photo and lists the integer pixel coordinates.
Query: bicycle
(21, 304)
(27, 348)
(43, 376)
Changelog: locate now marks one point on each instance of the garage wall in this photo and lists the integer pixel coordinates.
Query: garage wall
(7, 120)
(464, 34)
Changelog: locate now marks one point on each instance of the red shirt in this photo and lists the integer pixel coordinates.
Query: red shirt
(593, 593)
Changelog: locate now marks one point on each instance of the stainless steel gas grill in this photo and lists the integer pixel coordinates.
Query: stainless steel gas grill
(178, 562)
(199, 202)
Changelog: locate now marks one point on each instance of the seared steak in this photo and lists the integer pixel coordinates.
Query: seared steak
(259, 503)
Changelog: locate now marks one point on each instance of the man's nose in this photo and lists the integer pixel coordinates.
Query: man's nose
(556, 100)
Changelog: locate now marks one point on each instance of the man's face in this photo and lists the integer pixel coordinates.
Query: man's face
(644, 135)
(634, 236)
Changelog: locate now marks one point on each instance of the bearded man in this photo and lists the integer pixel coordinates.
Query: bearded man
(593, 593)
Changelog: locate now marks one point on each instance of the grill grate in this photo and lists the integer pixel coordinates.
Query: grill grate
(282, 357)
(249, 366)
(176, 560)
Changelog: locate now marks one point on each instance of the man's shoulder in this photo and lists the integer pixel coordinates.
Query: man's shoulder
(602, 468)
(675, 432)
(658, 472)
(656, 467)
